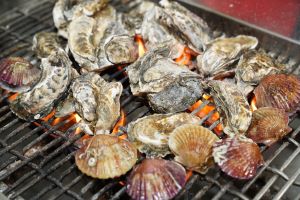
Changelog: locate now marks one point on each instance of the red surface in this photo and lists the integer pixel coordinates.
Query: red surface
(276, 15)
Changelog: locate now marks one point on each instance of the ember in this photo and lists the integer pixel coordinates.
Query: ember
(141, 44)
(185, 57)
(120, 123)
(253, 104)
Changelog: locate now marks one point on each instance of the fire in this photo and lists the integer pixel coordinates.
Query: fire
(188, 175)
(185, 57)
(121, 122)
(122, 183)
(13, 97)
(253, 104)
(141, 44)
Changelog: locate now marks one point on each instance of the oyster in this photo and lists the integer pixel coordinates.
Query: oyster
(97, 101)
(268, 125)
(238, 156)
(65, 107)
(54, 82)
(221, 53)
(150, 134)
(169, 86)
(105, 156)
(279, 91)
(18, 75)
(233, 107)
(192, 145)
(44, 43)
(155, 179)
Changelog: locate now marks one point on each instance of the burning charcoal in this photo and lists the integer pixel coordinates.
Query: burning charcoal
(18, 75)
(238, 157)
(192, 145)
(194, 29)
(97, 101)
(105, 156)
(65, 107)
(150, 134)
(279, 91)
(169, 87)
(221, 53)
(40, 100)
(155, 179)
(232, 105)
(268, 125)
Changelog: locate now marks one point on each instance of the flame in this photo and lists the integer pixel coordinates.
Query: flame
(253, 104)
(121, 122)
(188, 175)
(13, 97)
(122, 183)
(185, 57)
(141, 44)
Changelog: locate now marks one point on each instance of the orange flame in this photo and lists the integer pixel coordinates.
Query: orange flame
(188, 175)
(184, 58)
(13, 97)
(141, 44)
(121, 122)
(253, 104)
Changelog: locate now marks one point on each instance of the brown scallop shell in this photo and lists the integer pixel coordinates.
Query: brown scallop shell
(279, 91)
(105, 156)
(192, 144)
(238, 156)
(268, 125)
(155, 179)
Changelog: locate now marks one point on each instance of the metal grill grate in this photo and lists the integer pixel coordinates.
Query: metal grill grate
(50, 173)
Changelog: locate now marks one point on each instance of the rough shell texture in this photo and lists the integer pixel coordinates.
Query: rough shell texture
(192, 144)
(44, 43)
(151, 133)
(18, 75)
(65, 107)
(106, 156)
(52, 86)
(279, 91)
(155, 179)
(238, 156)
(268, 125)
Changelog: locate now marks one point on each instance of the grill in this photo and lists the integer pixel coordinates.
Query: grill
(50, 172)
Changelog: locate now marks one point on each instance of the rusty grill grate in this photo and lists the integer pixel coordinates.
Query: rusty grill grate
(50, 173)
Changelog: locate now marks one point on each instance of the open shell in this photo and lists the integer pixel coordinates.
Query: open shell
(105, 156)
(238, 156)
(279, 91)
(268, 125)
(192, 144)
(155, 179)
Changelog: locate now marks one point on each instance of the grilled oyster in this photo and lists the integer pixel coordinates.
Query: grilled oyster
(65, 107)
(97, 101)
(221, 53)
(150, 134)
(40, 100)
(232, 105)
(169, 87)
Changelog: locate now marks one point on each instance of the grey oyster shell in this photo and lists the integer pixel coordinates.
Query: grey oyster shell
(97, 101)
(232, 105)
(54, 82)
(169, 87)
(65, 107)
(150, 134)
(221, 53)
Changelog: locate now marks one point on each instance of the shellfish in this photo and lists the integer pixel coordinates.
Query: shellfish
(238, 156)
(279, 91)
(18, 75)
(150, 134)
(105, 156)
(192, 145)
(268, 125)
(155, 179)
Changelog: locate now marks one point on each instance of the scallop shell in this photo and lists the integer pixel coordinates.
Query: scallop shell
(238, 156)
(151, 133)
(268, 125)
(155, 179)
(18, 75)
(279, 91)
(105, 156)
(192, 144)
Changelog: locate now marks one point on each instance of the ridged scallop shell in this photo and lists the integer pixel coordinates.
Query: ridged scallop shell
(192, 144)
(151, 133)
(279, 91)
(18, 75)
(155, 179)
(268, 125)
(105, 156)
(238, 156)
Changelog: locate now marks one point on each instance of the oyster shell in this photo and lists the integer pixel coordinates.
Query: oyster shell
(279, 91)
(65, 107)
(18, 75)
(233, 107)
(268, 125)
(221, 53)
(155, 179)
(105, 156)
(44, 43)
(54, 82)
(238, 156)
(192, 145)
(150, 134)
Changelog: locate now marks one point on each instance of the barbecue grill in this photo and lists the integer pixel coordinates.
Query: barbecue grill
(37, 162)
